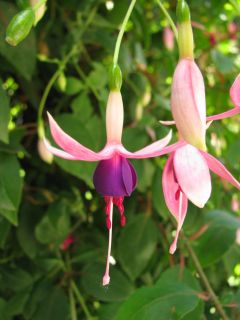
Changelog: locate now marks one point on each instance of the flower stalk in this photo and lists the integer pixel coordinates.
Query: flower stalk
(204, 279)
(121, 32)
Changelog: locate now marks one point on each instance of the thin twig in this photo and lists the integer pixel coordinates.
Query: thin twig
(204, 279)
(170, 20)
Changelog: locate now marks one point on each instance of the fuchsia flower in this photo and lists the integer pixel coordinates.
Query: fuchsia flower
(186, 175)
(114, 177)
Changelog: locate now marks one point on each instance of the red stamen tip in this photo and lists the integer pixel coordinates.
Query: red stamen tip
(123, 220)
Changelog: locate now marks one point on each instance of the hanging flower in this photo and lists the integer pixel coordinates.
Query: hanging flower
(114, 177)
(186, 175)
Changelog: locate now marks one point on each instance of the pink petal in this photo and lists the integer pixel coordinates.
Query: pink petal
(225, 114)
(153, 150)
(235, 92)
(176, 201)
(217, 167)
(192, 174)
(58, 152)
(188, 103)
(71, 146)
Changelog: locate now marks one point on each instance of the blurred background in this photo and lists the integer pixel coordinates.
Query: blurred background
(53, 238)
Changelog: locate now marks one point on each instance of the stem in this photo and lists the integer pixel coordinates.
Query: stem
(62, 65)
(121, 32)
(51, 82)
(205, 281)
(73, 310)
(80, 300)
(85, 79)
(168, 17)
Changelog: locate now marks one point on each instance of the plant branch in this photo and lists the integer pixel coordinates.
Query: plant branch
(121, 32)
(204, 279)
(80, 300)
(168, 17)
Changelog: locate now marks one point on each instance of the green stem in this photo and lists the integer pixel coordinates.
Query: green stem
(168, 17)
(73, 310)
(41, 131)
(80, 300)
(62, 65)
(121, 32)
(85, 79)
(205, 281)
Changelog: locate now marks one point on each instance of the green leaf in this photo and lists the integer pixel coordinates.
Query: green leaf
(25, 232)
(82, 107)
(98, 78)
(119, 289)
(9, 191)
(17, 303)
(170, 302)
(73, 86)
(15, 279)
(177, 274)
(54, 305)
(4, 114)
(54, 226)
(224, 64)
(221, 229)
(22, 57)
(5, 227)
(136, 245)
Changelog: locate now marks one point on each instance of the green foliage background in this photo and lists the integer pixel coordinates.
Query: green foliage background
(41, 204)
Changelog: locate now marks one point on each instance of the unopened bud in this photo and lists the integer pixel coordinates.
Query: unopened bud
(20, 26)
(44, 154)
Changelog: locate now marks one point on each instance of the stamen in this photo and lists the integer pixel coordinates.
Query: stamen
(106, 277)
(118, 201)
(107, 211)
(173, 246)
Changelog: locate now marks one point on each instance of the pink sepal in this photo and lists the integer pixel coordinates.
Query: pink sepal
(217, 167)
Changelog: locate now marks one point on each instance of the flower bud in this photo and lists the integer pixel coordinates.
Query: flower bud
(39, 13)
(168, 38)
(185, 34)
(44, 154)
(115, 78)
(188, 103)
(114, 117)
(20, 26)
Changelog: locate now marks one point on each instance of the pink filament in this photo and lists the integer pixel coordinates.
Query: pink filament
(173, 246)
(106, 277)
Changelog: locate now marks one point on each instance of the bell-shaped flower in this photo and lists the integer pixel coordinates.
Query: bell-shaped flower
(114, 177)
(186, 175)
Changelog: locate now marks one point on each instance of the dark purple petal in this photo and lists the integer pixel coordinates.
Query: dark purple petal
(129, 176)
(115, 177)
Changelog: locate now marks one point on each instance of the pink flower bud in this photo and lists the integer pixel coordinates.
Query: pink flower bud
(114, 117)
(67, 242)
(44, 154)
(168, 38)
(188, 103)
